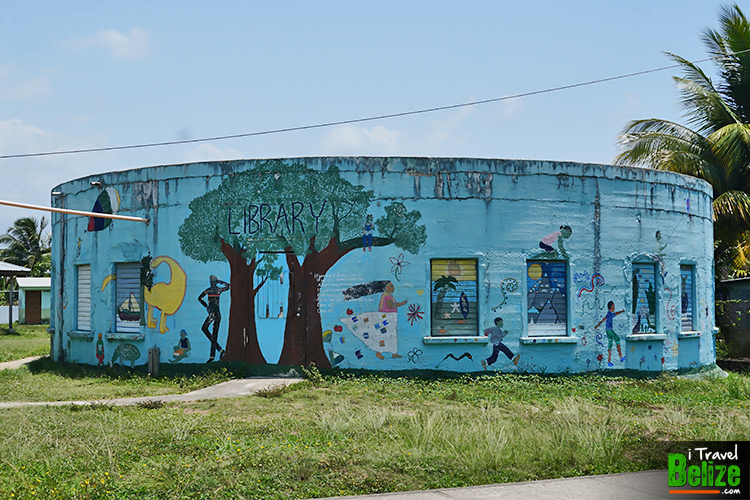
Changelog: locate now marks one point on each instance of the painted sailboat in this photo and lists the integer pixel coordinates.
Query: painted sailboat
(129, 310)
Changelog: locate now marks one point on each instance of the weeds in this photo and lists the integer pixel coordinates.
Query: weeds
(150, 404)
(272, 392)
(313, 375)
(347, 435)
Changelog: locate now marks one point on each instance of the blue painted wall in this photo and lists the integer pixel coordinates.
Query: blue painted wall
(451, 245)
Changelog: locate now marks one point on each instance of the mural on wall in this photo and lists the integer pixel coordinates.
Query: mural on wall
(301, 213)
(671, 308)
(454, 297)
(125, 352)
(552, 240)
(644, 298)
(165, 296)
(415, 313)
(367, 229)
(108, 202)
(452, 356)
(612, 337)
(213, 313)
(509, 285)
(658, 255)
(546, 296)
(596, 280)
(378, 330)
(413, 355)
(100, 351)
(398, 265)
(127, 297)
(334, 357)
(496, 335)
(182, 349)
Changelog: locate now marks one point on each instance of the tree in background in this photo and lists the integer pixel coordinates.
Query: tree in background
(714, 145)
(27, 244)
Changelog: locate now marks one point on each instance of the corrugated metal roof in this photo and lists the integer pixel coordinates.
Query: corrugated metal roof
(34, 282)
(6, 269)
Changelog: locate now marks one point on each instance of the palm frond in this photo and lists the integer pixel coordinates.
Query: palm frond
(665, 145)
(733, 208)
(731, 145)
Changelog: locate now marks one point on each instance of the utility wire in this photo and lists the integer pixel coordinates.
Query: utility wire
(360, 120)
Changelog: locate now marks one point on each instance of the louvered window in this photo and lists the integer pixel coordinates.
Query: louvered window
(645, 304)
(547, 297)
(453, 283)
(687, 300)
(83, 323)
(128, 298)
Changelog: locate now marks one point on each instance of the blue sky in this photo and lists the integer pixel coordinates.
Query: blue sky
(96, 74)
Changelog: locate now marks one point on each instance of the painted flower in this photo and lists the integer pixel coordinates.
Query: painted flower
(398, 265)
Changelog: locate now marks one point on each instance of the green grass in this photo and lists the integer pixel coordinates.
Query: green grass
(29, 340)
(344, 435)
(45, 380)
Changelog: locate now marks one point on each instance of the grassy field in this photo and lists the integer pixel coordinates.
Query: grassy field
(340, 435)
(44, 380)
(29, 340)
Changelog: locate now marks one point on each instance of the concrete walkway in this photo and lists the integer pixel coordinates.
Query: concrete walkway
(12, 365)
(229, 389)
(645, 485)
(628, 486)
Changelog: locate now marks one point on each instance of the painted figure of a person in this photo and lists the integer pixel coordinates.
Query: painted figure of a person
(182, 349)
(367, 229)
(547, 243)
(100, 350)
(611, 335)
(213, 293)
(387, 303)
(659, 255)
(496, 335)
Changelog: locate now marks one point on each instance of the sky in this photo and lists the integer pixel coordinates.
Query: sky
(93, 74)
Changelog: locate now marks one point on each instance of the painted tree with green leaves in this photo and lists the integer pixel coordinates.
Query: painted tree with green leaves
(314, 218)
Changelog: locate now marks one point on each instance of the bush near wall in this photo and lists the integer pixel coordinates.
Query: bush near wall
(733, 320)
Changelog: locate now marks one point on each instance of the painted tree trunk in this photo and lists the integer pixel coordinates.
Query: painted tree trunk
(303, 334)
(242, 338)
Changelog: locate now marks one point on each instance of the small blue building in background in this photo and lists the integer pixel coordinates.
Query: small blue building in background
(34, 300)
(388, 264)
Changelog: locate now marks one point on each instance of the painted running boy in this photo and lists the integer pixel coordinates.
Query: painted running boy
(611, 335)
(496, 335)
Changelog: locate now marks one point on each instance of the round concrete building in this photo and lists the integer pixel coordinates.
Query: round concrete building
(387, 264)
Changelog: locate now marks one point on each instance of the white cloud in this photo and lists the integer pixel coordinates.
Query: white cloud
(133, 45)
(32, 179)
(18, 88)
(353, 140)
(19, 137)
(510, 108)
(208, 152)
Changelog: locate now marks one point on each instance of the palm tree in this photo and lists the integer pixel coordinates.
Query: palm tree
(27, 244)
(715, 143)
(442, 286)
